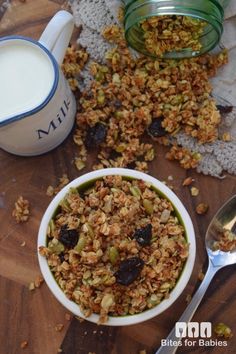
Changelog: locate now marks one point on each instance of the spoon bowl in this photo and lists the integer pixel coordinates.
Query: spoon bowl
(223, 221)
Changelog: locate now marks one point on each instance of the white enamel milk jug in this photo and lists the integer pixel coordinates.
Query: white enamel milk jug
(37, 107)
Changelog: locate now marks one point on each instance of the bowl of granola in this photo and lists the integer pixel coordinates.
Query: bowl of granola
(116, 246)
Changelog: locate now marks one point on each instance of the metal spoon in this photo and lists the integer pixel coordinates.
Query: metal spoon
(225, 219)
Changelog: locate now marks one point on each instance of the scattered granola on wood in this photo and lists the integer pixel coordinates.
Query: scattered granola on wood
(201, 275)
(73, 63)
(194, 191)
(59, 327)
(36, 283)
(202, 208)
(63, 181)
(21, 212)
(222, 330)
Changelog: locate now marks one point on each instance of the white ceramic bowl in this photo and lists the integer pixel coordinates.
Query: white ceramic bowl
(185, 275)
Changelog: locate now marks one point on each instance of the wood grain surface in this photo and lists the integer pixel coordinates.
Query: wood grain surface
(32, 315)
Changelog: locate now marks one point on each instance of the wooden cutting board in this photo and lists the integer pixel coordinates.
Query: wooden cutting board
(33, 316)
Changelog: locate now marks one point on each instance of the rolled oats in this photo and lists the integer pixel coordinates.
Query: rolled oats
(59, 327)
(186, 158)
(36, 283)
(222, 330)
(226, 241)
(226, 137)
(68, 316)
(63, 181)
(202, 208)
(201, 275)
(74, 61)
(194, 191)
(31, 286)
(21, 211)
(79, 164)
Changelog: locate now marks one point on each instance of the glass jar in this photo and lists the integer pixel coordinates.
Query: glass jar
(209, 11)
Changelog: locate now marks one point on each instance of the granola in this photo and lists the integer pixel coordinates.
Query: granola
(132, 98)
(74, 61)
(68, 316)
(222, 330)
(163, 34)
(36, 283)
(186, 158)
(59, 327)
(194, 191)
(201, 275)
(63, 181)
(21, 212)
(226, 241)
(202, 208)
(116, 247)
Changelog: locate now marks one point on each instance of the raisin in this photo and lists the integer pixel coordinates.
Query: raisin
(155, 129)
(131, 165)
(117, 103)
(144, 235)
(95, 135)
(69, 238)
(224, 109)
(114, 154)
(62, 257)
(129, 270)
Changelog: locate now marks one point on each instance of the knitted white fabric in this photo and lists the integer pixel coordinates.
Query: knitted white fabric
(92, 14)
(217, 157)
(4, 6)
(97, 46)
(113, 6)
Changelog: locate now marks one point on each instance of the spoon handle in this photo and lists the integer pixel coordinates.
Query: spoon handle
(189, 311)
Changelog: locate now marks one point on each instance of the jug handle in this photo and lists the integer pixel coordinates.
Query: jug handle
(57, 34)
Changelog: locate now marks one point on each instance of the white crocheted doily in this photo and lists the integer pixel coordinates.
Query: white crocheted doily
(94, 15)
